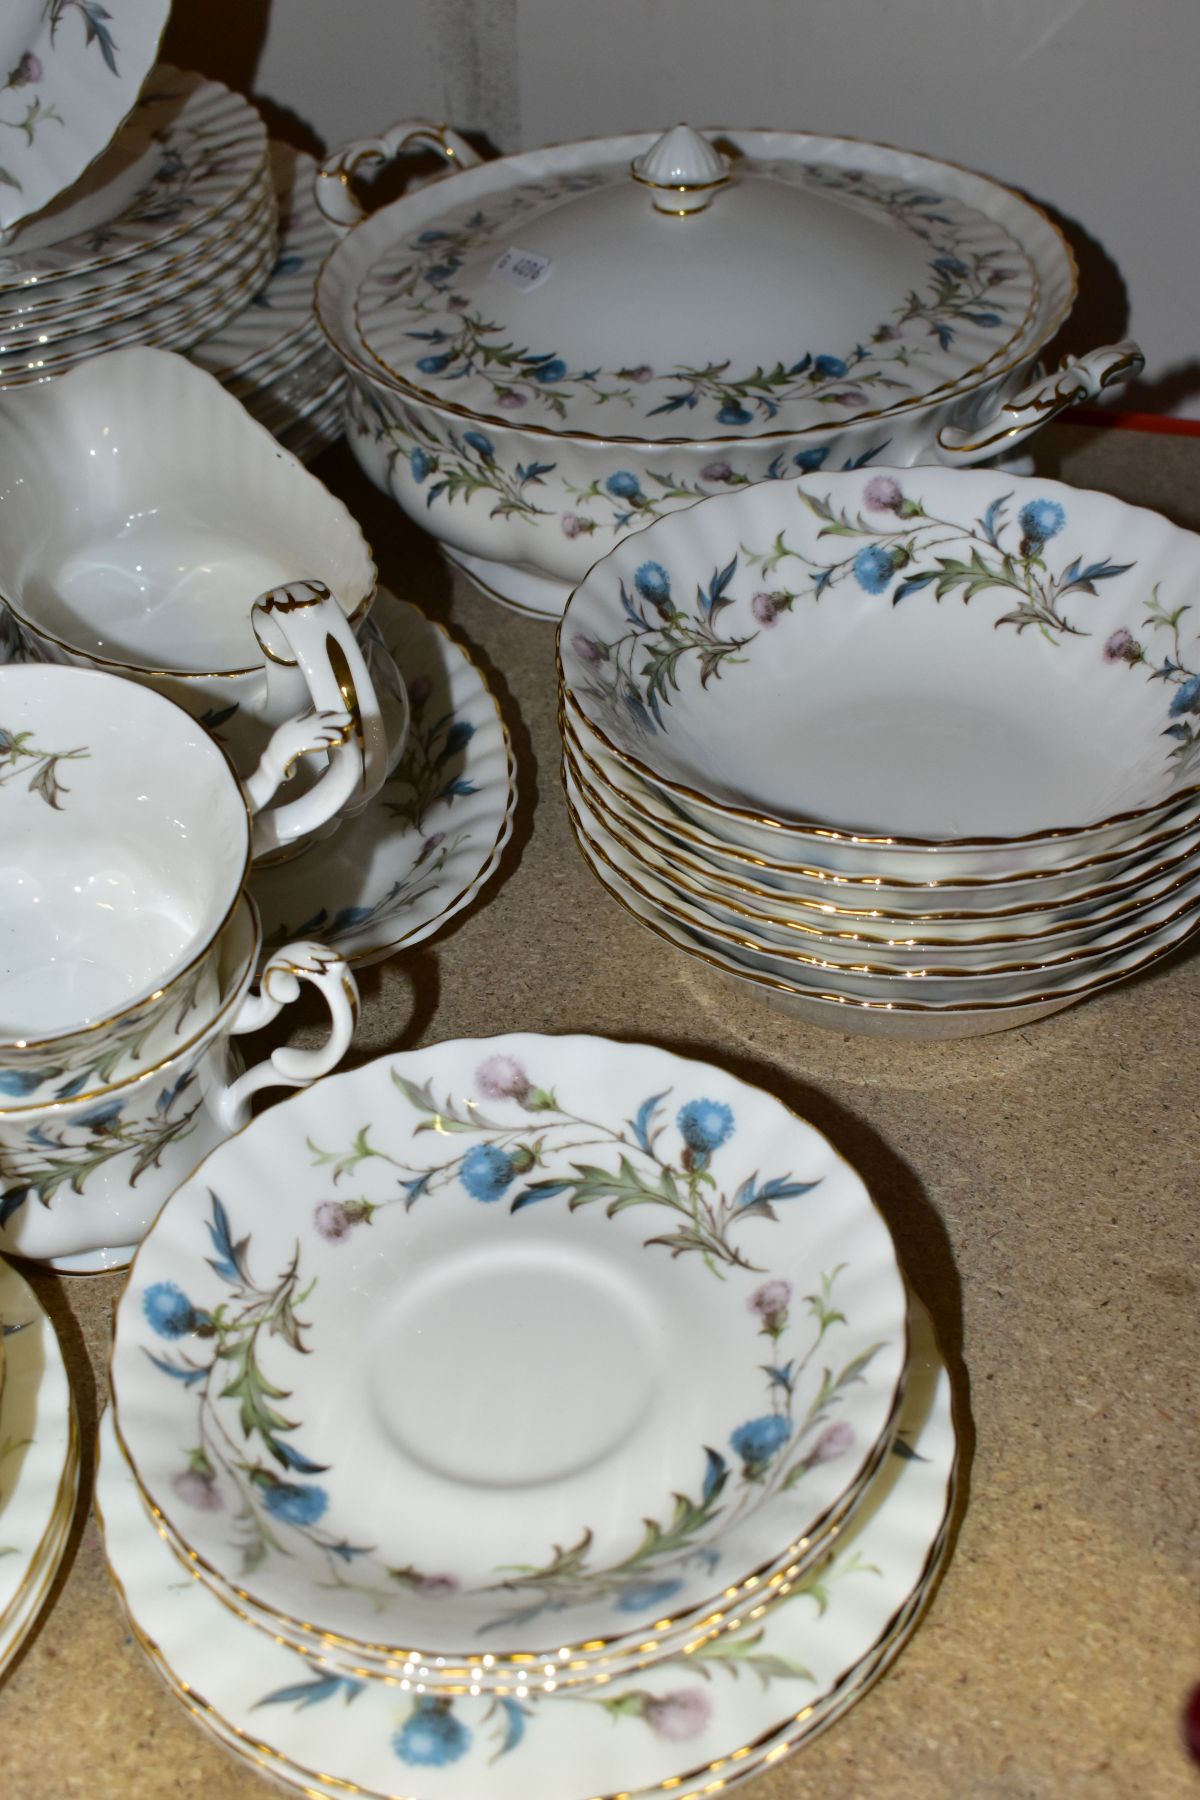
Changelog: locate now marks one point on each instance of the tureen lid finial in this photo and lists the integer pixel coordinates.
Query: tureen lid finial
(683, 169)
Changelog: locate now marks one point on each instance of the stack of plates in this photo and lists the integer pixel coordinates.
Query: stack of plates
(165, 238)
(913, 751)
(654, 1354)
(39, 1460)
(272, 355)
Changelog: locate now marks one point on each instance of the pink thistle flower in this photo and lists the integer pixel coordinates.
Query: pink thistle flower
(833, 1442)
(571, 524)
(883, 494)
(503, 1078)
(770, 1299)
(198, 1490)
(716, 471)
(510, 400)
(678, 1716)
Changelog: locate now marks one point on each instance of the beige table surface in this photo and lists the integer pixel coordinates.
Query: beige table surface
(1042, 1186)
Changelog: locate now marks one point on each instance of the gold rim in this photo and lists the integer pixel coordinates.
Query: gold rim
(819, 1529)
(1022, 347)
(873, 883)
(898, 1008)
(47, 1554)
(675, 879)
(803, 960)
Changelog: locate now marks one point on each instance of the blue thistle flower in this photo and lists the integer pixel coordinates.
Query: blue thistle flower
(433, 365)
(168, 1310)
(949, 265)
(705, 1125)
(830, 366)
(733, 414)
(874, 568)
(420, 462)
(652, 583)
(16, 1082)
(759, 1440)
(487, 1171)
(293, 1504)
(648, 1596)
(479, 442)
(553, 369)
(101, 1116)
(1040, 520)
(431, 1736)
(811, 460)
(1187, 697)
(624, 485)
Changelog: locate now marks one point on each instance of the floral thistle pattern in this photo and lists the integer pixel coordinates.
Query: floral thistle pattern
(22, 108)
(673, 1706)
(19, 757)
(417, 299)
(245, 1456)
(891, 547)
(52, 1157)
(669, 1170)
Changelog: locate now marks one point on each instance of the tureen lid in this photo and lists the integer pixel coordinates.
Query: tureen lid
(690, 287)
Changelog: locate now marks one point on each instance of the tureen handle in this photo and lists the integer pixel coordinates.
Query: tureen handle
(334, 194)
(1076, 379)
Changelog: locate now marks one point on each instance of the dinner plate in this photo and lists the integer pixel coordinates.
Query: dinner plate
(718, 1718)
(189, 148)
(76, 303)
(281, 316)
(174, 323)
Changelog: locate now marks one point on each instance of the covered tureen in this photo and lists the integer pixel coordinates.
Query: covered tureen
(554, 348)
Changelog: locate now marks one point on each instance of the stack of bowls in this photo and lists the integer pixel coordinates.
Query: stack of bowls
(166, 237)
(653, 1343)
(913, 751)
(272, 354)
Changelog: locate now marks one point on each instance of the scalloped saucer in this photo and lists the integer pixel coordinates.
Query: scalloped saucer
(689, 1726)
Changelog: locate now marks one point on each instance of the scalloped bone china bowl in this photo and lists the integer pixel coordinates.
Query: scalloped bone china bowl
(914, 672)
(651, 1327)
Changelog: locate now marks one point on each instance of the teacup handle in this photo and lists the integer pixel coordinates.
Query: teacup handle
(334, 195)
(278, 986)
(303, 631)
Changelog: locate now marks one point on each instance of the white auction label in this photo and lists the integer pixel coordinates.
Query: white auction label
(523, 269)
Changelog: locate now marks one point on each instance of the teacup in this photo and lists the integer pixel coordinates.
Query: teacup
(87, 1175)
(142, 511)
(125, 841)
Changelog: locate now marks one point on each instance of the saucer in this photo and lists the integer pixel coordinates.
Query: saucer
(433, 834)
(39, 1460)
(687, 1726)
(653, 1326)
